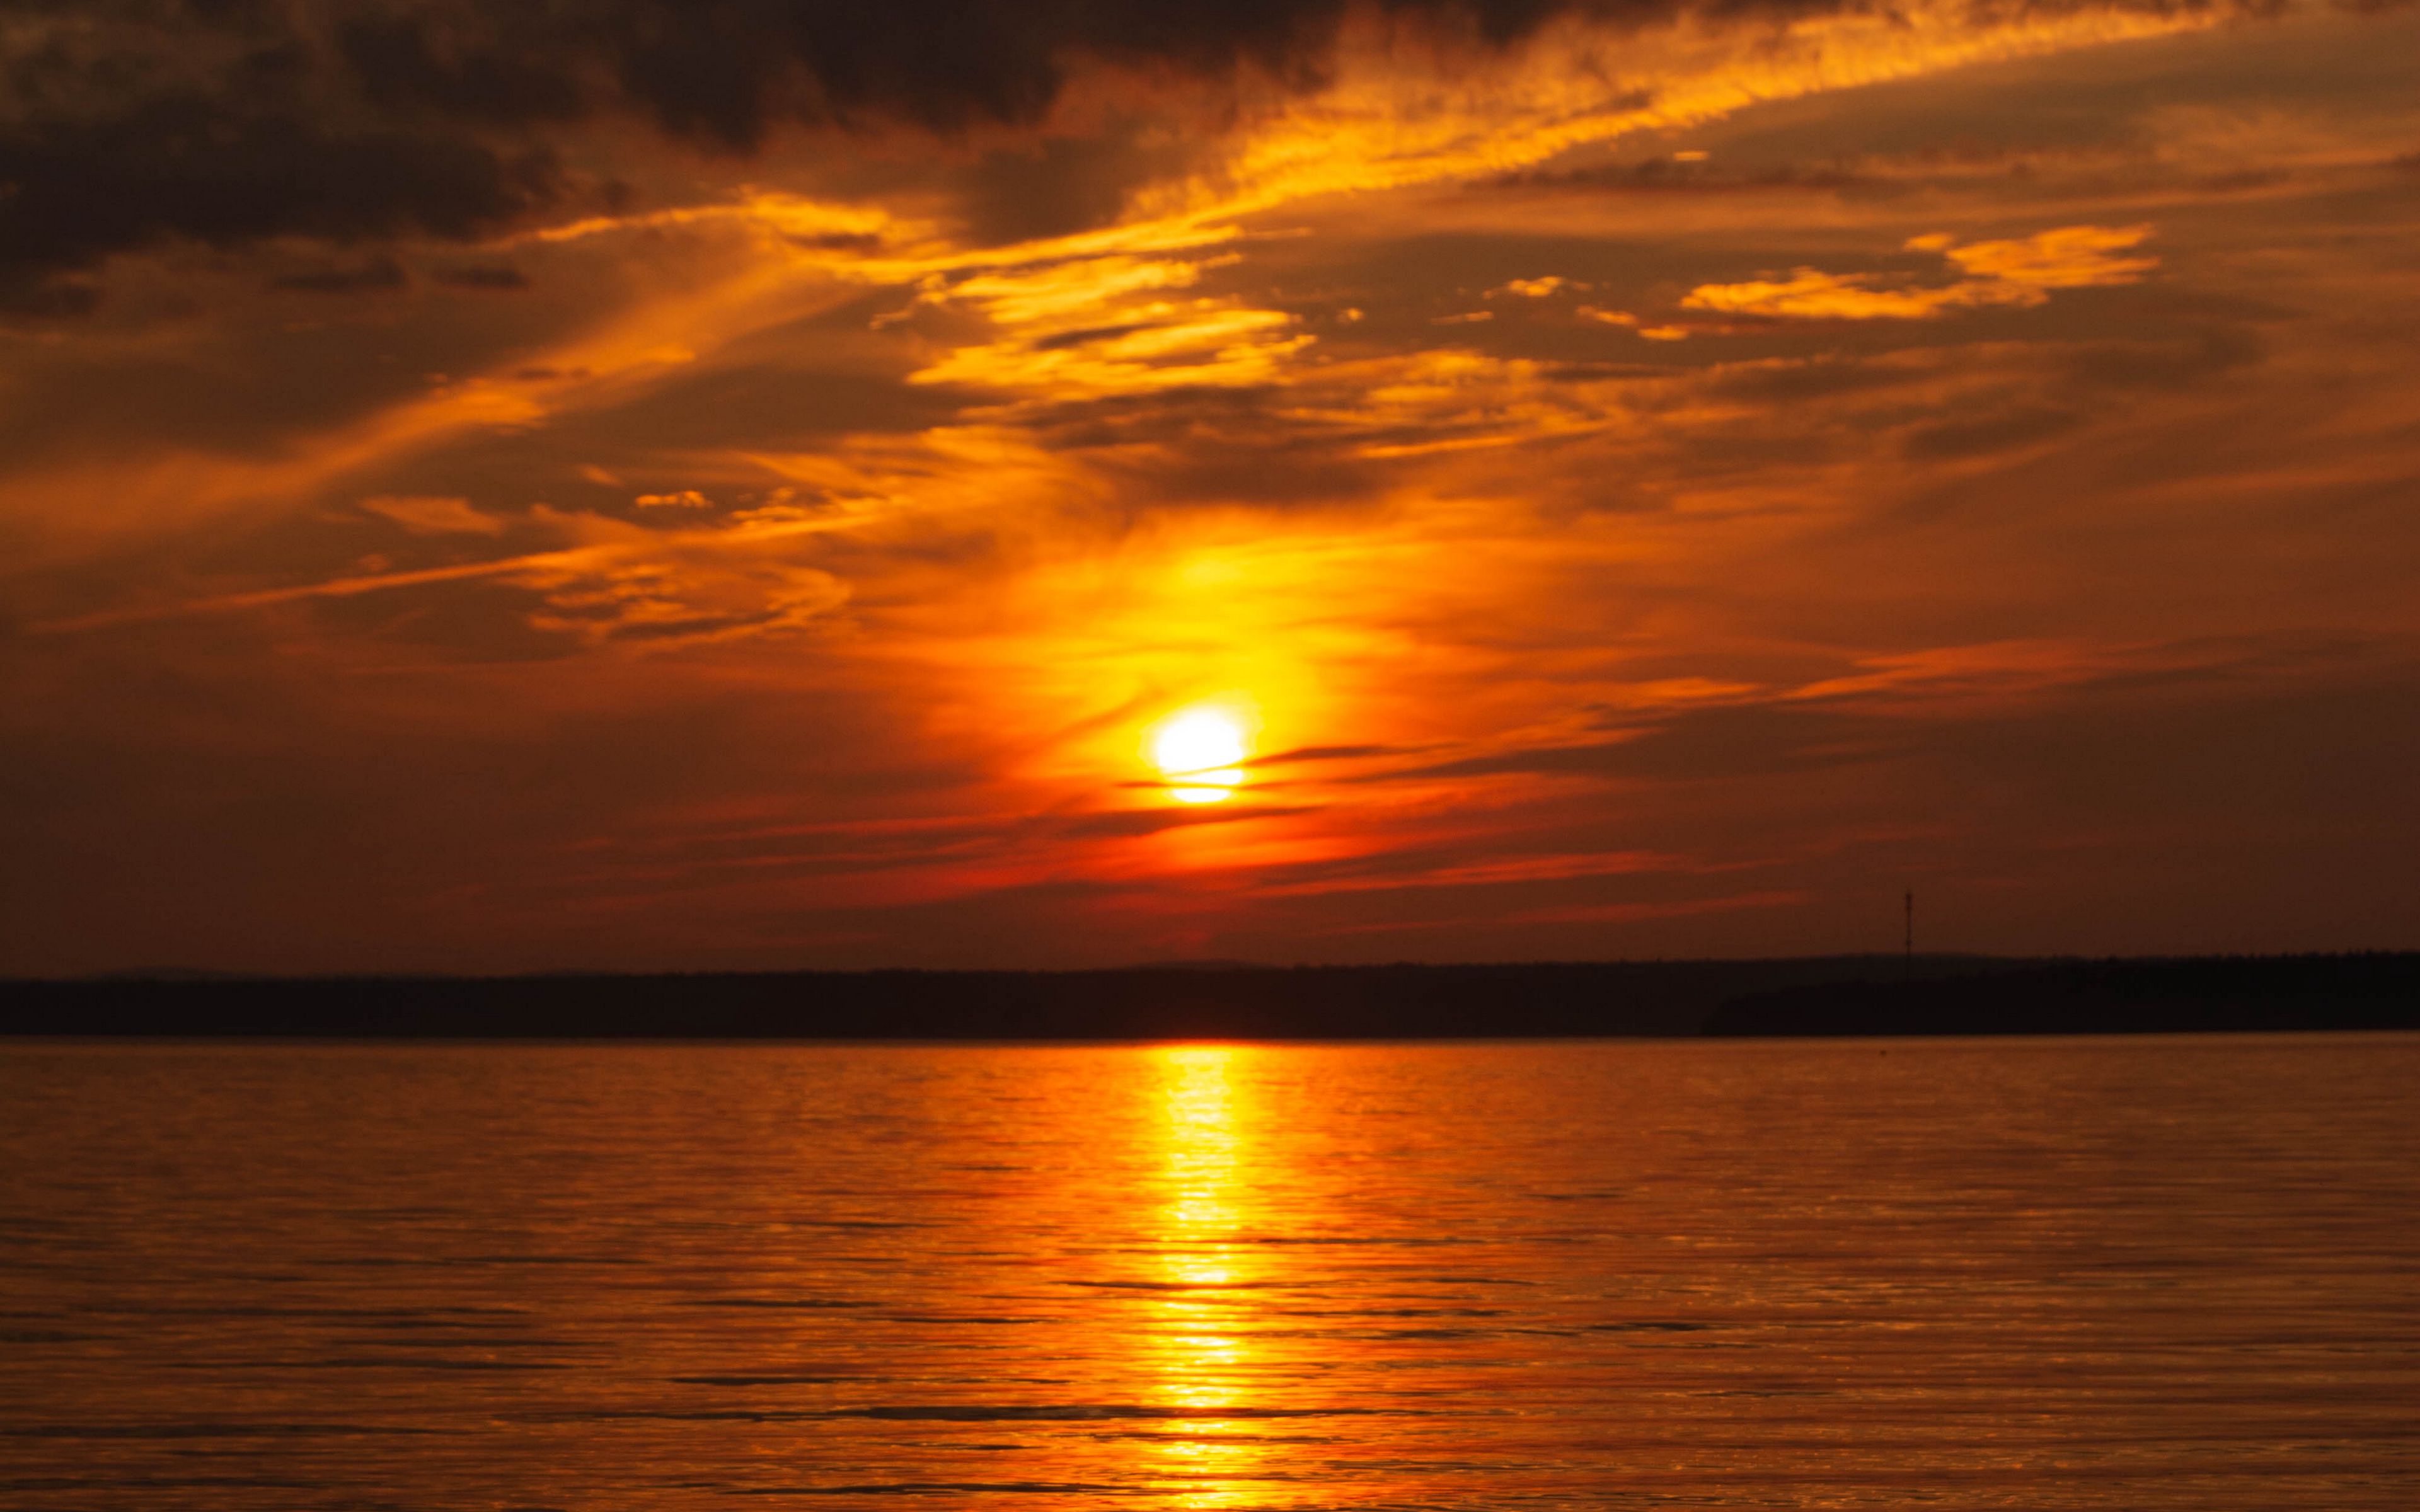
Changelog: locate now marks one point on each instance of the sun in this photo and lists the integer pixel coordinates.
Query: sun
(1201, 752)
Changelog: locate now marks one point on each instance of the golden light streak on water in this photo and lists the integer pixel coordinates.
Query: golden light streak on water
(1201, 1359)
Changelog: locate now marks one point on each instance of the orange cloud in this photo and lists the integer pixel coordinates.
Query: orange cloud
(1628, 321)
(2014, 272)
(1104, 325)
(2073, 257)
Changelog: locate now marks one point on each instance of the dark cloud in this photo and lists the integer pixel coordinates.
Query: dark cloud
(128, 123)
(51, 299)
(1607, 372)
(1669, 174)
(1211, 445)
(381, 272)
(1705, 743)
(1332, 753)
(500, 276)
(1064, 184)
(1125, 823)
(1818, 378)
(2168, 364)
(228, 169)
(2020, 427)
(761, 404)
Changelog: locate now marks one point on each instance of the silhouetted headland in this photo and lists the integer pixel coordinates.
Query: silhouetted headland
(1827, 996)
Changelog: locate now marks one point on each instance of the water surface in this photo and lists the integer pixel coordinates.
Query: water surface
(2136, 1274)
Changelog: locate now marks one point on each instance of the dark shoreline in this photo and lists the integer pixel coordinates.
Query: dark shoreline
(1841, 996)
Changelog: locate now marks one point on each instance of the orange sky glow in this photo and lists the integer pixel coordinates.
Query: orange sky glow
(1434, 481)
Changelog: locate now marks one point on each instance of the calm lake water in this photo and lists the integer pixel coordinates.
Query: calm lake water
(2125, 1273)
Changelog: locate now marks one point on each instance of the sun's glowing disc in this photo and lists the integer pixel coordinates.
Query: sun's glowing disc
(1200, 752)
(1197, 740)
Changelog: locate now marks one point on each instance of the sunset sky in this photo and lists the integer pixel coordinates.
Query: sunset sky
(784, 483)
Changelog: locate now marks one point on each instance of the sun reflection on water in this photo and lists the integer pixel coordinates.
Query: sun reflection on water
(1202, 1360)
